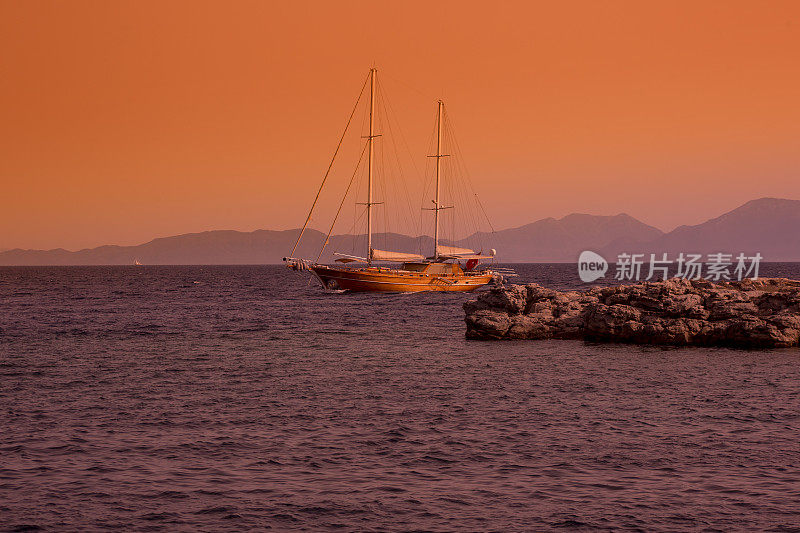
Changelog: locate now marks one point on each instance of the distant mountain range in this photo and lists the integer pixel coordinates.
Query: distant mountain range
(770, 226)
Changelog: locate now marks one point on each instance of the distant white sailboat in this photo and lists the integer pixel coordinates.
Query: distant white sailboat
(136, 262)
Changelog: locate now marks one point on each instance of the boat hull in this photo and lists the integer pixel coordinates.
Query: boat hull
(391, 280)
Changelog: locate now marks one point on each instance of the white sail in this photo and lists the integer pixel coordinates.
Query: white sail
(453, 251)
(397, 257)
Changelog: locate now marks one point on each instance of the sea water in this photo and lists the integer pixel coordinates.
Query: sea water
(210, 398)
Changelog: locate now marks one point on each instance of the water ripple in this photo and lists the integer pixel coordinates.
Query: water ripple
(240, 399)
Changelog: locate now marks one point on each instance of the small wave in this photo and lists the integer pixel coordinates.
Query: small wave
(316, 510)
(286, 517)
(166, 494)
(101, 469)
(456, 501)
(25, 527)
(216, 510)
(152, 517)
(259, 491)
(391, 489)
(571, 523)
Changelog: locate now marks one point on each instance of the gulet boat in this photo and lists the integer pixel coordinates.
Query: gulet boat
(448, 269)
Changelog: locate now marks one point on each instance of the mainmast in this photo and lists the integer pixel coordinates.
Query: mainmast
(437, 206)
(369, 173)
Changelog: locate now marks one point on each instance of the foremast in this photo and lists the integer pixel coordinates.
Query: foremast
(370, 150)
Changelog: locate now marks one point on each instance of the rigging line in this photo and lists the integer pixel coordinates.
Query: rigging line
(467, 211)
(327, 172)
(385, 173)
(351, 232)
(393, 117)
(392, 190)
(469, 179)
(358, 213)
(361, 183)
(352, 229)
(407, 214)
(346, 192)
(459, 194)
(429, 177)
(390, 176)
(401, 82)
(480, 204)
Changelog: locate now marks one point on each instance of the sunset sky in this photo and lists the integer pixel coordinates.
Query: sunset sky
(125, 121)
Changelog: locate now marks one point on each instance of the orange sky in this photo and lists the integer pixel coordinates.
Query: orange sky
(123, 121)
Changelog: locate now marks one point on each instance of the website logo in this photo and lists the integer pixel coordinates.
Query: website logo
(635, 267)
(591, 266)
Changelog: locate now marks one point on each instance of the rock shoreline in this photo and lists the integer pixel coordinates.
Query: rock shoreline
(763, 313)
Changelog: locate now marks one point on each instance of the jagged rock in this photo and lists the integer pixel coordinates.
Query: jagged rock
(761, 313)
(487, 324)
(512, 298)
(529, 327)
(606, 321)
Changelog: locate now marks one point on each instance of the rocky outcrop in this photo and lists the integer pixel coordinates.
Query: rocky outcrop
(762, 313)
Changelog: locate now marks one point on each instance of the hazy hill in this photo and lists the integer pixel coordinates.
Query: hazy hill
(226, 247)
(562, 240)
(209, 247)
(768, 225)
(545, 240)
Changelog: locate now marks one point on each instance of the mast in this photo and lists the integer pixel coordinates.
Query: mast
(369, 173)
(438, 169)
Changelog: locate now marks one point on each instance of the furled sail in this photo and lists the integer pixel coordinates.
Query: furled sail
(453, 251)
(398, 257)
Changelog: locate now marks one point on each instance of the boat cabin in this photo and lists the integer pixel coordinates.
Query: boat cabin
(436, 269)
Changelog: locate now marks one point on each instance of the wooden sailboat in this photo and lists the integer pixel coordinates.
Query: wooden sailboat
(413, 272)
